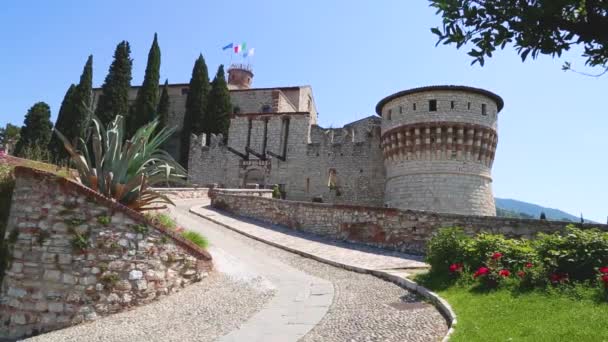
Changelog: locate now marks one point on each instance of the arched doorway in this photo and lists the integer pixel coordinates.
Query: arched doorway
(254, 176)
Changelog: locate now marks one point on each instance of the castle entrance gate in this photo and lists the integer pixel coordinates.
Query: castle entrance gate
(254, 176)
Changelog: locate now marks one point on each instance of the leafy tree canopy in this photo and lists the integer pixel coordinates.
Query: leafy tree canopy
(9, 134)
(535, 27)
(36, 130)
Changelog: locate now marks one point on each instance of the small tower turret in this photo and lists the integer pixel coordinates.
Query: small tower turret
(240, 76)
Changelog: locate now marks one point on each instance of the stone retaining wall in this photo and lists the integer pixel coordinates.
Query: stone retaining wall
(77, 255)
(394, 229)
(183, 193)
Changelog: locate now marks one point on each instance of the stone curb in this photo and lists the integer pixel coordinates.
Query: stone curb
(441, 304)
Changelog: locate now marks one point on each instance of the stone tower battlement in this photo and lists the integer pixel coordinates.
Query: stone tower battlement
(438, 145)
(240, 76)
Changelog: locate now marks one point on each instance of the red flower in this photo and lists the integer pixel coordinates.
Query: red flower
(521, 274)
(504, 273)
(456, 268)
(496, 255)
(604, 270)
(529, 265)
(558, 277)
(605, 280)
(481, 272)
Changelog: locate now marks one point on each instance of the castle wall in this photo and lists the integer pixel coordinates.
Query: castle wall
(393, 229)
(352, 153)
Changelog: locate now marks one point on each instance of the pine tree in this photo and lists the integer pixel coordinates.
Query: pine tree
(36, 130)
(62, 124)
(219, 107)
(114, 99)
(196, 103)
(146, 101)
(163, 107)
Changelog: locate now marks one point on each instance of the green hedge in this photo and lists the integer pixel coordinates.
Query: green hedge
(574, 254)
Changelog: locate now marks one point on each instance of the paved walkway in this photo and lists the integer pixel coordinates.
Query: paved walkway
(364, 307)
(333, 251)
(300, 300)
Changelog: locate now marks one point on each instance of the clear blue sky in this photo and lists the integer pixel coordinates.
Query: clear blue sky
(552, 146)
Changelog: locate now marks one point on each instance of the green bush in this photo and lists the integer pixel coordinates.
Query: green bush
(515, 252)
(196, 238)
(572, 255)
(575, 252)
(447, 247)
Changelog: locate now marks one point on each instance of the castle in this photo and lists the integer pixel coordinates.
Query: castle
(429, 148)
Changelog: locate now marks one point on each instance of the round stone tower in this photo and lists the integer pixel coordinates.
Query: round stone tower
(439, 144)
(240, 76)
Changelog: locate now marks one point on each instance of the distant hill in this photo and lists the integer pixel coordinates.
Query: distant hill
(513, 208)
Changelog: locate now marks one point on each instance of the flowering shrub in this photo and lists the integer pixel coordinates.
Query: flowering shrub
(574, 256)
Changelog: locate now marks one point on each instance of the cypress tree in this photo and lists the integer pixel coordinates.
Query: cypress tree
(114, 98)
(36, 130)
(196, 103)
(146, 101)
(163, 107)
(219, 107)
(62, 124)
(82, 102)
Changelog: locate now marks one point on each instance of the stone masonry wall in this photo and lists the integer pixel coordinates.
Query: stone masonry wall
(77, 256)
(389, 228)
(312, 153)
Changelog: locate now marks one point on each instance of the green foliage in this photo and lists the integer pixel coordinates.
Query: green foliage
(125, 171)
(140, 228)
(146, 102)
(80, 241)
(219, 107)
(62, 124)
(9, 135)
(572, 255)
(196, 104)
(104, 220)
(114, 99)
(163, 107)
(162, 219)
(276, 191)
(37, 129)
(576, 252)
(534, 27)
(74, 114)
(196, 238)
(446, 247)
(110, 279)
(515, 252)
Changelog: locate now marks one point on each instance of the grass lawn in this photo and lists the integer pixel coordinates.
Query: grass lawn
(510, 315)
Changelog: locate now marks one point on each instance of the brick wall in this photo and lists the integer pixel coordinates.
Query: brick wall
(76, 256)
(393, 229)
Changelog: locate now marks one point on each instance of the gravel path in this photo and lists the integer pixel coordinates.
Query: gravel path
(365, 308)
(201, 312)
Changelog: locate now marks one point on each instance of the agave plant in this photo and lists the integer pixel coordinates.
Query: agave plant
(126, 169)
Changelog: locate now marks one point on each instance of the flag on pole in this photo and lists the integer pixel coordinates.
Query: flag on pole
(240, 47)
(229, 46)
(248, 53)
